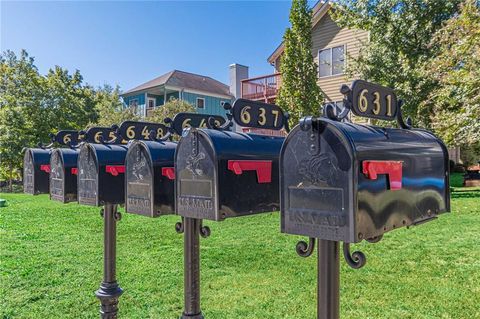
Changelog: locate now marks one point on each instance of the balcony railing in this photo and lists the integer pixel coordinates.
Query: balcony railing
(262, 88)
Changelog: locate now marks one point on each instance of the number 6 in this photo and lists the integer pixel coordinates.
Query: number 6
(363, 102)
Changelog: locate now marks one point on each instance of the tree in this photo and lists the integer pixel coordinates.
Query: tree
(170, 109)
(32, 106)
(454, 100)
(400, 33)
(20, 104)
(299, 93)
(110, 109)
(68, 103)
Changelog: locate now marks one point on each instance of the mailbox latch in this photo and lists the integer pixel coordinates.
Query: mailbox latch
(391, 168)
(45, 168)
(169, 172)
(263, 169)
(115, 169)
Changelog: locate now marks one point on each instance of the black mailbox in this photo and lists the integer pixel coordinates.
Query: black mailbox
(36, 162)
(222, 174)
(101, 166)
(150, 177)
(150, 172)
(348, 182)
(63, 161)
(36, 169)
(63, 175)
(100, 174)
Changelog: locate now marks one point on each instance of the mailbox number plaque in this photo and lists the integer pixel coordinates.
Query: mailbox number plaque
(132, 130)
(184, 120)
(95, 135)
(66, 137)
(373, 100)
(258, 115)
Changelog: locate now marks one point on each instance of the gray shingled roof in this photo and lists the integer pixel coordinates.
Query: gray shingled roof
(185, 80)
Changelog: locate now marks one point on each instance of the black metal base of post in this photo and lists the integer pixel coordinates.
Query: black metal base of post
(109, 291)
(185, 316)
(108, 294)
(191, 256)
(328, 289)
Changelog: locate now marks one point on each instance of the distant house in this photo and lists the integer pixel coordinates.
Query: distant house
(332, 45)
(203, 92)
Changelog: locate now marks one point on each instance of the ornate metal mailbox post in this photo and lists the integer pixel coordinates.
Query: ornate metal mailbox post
(150, 176)
(36, 163)
(101, 183)
(355, 182)
(221, 174)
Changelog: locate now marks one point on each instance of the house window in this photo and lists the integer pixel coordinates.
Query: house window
(200, 103)
(331, 61)
(151, 103)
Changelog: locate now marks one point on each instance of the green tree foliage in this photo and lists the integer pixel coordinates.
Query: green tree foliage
(299, 93)
(21, 97)
(68, 103)
(110, 109)
(454, 100)
(400, 34)
(170, 109)
(32, 106)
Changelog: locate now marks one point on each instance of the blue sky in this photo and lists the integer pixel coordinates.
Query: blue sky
(128, 43)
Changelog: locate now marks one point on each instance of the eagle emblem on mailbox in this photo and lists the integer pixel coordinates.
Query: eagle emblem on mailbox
(139, 168)
(193, 163)
(319, 169)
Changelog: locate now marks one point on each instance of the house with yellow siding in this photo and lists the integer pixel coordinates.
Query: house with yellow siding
(332, 47)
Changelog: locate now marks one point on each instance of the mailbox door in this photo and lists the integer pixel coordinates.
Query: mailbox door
(149, 191)
(57, 177)
(36, 180)
(423, 192)
(28, 173)
(316, 180)
(139, 180)
(63, 183)
(88, 173)
(196, 176)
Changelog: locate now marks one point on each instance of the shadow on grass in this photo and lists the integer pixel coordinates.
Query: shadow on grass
(466, 193)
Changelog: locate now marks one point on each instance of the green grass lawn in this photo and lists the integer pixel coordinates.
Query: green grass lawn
(51, 264)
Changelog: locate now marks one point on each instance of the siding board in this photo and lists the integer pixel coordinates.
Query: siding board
(327, 34)
(212, 104)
